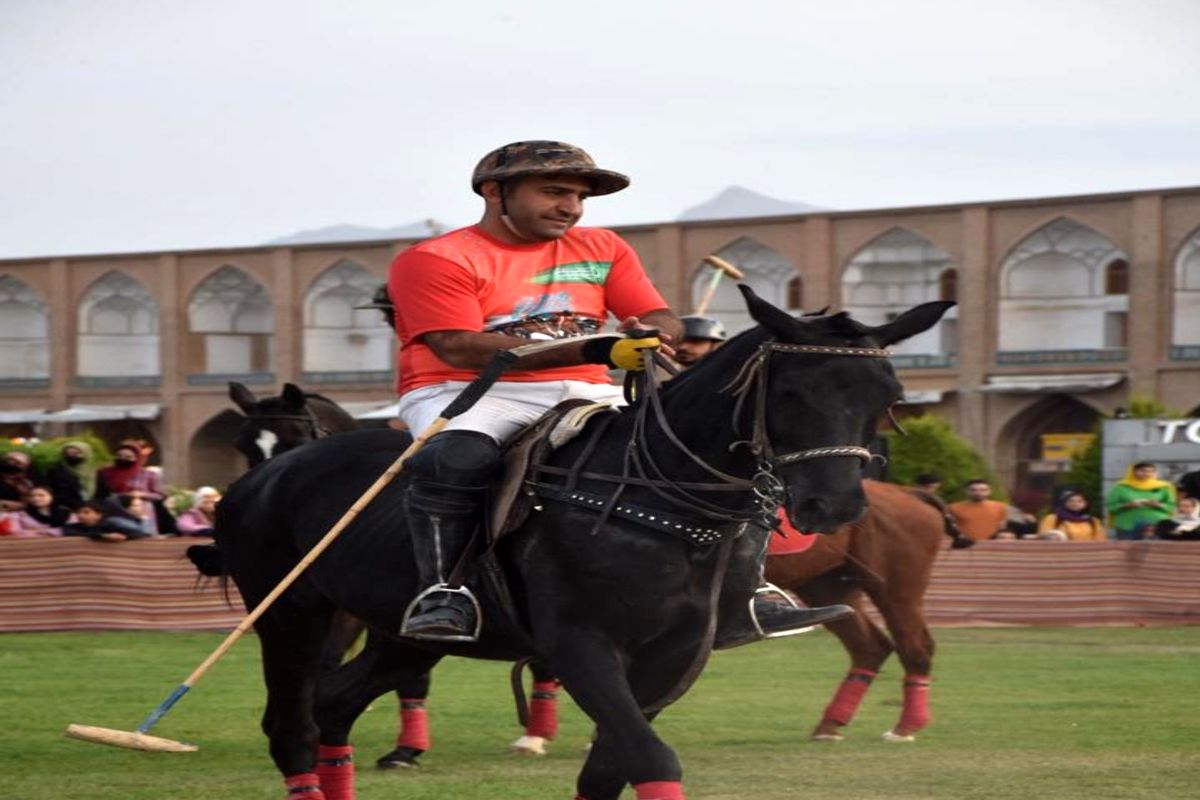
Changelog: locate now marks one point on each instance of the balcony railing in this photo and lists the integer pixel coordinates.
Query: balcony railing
(1103, 355)
(1185, 352)
(349, 376)
(923, 360)
(118, 381)
(218, 378)
(24, 383)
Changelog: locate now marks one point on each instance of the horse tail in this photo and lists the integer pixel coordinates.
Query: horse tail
(210, 562)
(959, 541)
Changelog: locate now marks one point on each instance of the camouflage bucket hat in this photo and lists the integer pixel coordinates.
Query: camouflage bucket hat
(520, 159)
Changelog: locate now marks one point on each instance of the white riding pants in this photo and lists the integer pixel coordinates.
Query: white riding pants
(506, 408)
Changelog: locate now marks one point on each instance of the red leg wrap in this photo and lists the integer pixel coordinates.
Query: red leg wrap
(543, 710)
(304, 786)
(335, 767)
(845, 702)
(414, 724)
(916, 703)
(659, 790)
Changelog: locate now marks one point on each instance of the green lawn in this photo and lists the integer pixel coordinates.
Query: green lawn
(1019, 713)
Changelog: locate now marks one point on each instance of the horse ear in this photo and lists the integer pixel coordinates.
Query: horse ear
(916, 320)
(243, 398)
(778, 322)
(293, 395)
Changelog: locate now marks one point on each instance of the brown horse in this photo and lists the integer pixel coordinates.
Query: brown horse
(887, 557)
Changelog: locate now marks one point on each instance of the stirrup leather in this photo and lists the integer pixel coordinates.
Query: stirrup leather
(444, 588)
(770, 588)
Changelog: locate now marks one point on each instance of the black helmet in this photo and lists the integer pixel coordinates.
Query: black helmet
(381, 299)
(703, 328)
(520, 159)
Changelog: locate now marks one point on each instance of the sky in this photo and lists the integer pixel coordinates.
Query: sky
(130, 125)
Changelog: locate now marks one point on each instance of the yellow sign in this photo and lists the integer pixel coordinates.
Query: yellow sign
(1064, 446)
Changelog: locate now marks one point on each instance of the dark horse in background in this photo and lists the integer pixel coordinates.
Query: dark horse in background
(624, 615)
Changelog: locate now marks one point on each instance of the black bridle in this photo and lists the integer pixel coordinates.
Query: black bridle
(641, 469)
(315, 429)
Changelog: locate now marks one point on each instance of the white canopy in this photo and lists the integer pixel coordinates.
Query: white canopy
(85, 413)
(22, 415)
(1052, 384)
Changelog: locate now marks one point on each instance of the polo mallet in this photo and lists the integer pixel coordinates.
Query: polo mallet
(139, 739)
(720, 267)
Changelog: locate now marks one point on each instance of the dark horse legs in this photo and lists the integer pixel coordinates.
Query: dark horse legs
(292, 634)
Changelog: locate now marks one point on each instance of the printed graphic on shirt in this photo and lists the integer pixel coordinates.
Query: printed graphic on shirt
(595, 272)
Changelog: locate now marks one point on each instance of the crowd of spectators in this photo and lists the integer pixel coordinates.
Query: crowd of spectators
(78, 497)
(1139, 506)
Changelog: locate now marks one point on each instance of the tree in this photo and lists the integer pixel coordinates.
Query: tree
(932, 446)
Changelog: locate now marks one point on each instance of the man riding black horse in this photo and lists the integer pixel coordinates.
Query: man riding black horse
(523, 272)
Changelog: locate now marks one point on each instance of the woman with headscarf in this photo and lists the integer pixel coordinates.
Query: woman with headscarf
(200, 519)
(42, 516)
(127, 476)
(73, 478)
(1185, 525)
(16, 479)
(1140, 501)
(1071, 522)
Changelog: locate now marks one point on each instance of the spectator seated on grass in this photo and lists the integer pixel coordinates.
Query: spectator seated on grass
(100, 521)
(1139, 501)
(200, 518)
(1071, 522)
(1185, 525)
(42, 516)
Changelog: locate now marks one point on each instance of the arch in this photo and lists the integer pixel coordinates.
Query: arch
(24, 332)
(231, 325)
(795, 294)
(893, 272)
(1186, 297)
(1053, 291)
(338, 337)
(118, 329)
(768, 273)
(1020, 443)
(1116, 277)
(212, 458)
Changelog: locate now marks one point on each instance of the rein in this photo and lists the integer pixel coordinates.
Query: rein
(641, 469)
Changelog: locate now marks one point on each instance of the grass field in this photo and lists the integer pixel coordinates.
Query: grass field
(1019, 713)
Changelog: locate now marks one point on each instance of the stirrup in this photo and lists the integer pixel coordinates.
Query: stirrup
(770, 588)
(444, 588)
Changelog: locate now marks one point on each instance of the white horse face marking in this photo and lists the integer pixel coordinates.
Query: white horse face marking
(266, 442)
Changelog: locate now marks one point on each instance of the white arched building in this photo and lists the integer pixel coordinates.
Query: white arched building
(1064, 288)
(1185, 337)
(768, 273)
(341, 340)
(118, 332)
(24, 333)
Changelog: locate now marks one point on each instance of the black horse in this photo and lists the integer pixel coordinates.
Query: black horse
(620, 604)
(275, 425)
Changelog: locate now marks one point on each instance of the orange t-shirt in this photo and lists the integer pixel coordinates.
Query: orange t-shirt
(467, 280)
(979, 520)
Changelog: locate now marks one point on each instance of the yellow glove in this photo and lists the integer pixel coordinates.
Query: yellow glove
(622, 353)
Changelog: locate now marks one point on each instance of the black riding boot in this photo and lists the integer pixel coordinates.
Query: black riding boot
(445, 504)
(441, 611)
(774, 619)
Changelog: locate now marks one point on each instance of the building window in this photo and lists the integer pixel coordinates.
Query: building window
(948, 285)
(1057, 287)
(338, 337)
(231, 322)
(795, 294)
(24, 332)
(1186, 328)
(1116, 277)
(118, 329)
(892, 273)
